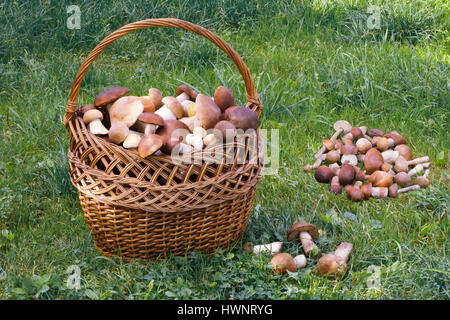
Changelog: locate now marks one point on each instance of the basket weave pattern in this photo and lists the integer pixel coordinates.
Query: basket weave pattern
(147, 208)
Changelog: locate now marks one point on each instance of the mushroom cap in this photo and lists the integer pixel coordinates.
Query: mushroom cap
(401, 165)
(404, 151)
(155, 97)
(282, 262)
(422, 181)
(347, 141)
(342, 124)
(149, 144)
(366, 190)
(398, 139)
(383, 144)
(173, 132)
(207, 111)
(86, 108)
(118, 132)
(151, 118)
(333, 156)
(348, 149)
(331, 264)
(294, 233)
(380, 179)
(110, 95)
(402, 179)
(91, 115)
(174, 105)
(360, 175)
(363, 145)
(393, 190)
(226, 129)
(223, 97)
(122, 110)
(375, 132)
(373, 160)
(323, 174)
(328, 144)
(346, 174)
(186, 89)
(354, 193)
(148, 104)
(356, 133)
(242, 117)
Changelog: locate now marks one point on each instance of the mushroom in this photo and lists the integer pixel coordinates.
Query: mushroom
(360, 175)
(210, 139)
(363, 145)
(335, 168)
(223, 97)
(148, 122)
(417, 169)
(118, 132)
(354, 193)
(349, 149)
(282, 262)
(373, 160)
(171, 110)
(122, 110)
(155, 97)
(85, 108)
(300, 261)
(335, 186)
(382, 144)
(225, 130)
(195, 141)
(184, 92)
(206, 111)
(149, 144)
(414, 187)
(333, 156)
(386, 167)
(402, 179)
(172, 132)
(380, 179)
(335, 263)
(346, 174)
(132, 140)
(422, 181)
(328, 144)
(380, 192)
(404, 151)
(319, 161)
(191, 122)
(390, 156)
(241, 117)
(350, 159)
(398, 139)
(110, 95)
(375, 132)
(366, 190)
(323, 174)
(339, 126)
(186, 104)
(93, 118)
(306, 233)
(401, 165)
(418, 161)
(356, 133)
(393, 190)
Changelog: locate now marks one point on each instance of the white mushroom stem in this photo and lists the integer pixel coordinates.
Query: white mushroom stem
(96, 127)
(182, 97)
(209, 139)
(427, 172)
(132, 140)
(419, 168)
(390, 156)
(195, 141)
(344, 250)
(300, 261)
(272, 248)
(307, 242)
(165, 113)
(319, 161)
(410, 188)
(185, 104)
(380, 192)
(418, 161)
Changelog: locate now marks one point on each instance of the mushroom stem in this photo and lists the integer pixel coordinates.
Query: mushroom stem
(333, 139)
(183, 96)
(300, 261)
(380, 192)
(419, 168)
(344, 250)
(410, 188)
(165, 113)
(319, 161)
(418, 161)
(308, 244)
(96, 127)
(273, 248)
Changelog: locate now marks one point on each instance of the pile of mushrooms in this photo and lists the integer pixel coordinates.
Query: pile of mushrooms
(333, 264)
(369, 163)
(156, 124)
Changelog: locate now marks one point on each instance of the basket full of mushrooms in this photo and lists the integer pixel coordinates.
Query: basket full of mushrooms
(164, 174)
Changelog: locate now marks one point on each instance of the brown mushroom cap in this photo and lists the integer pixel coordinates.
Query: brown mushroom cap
(373, 160)
(363, 145)
(282, 262)
(360, 175)
(226, 129)
(383, 144)
(402, 179)
(354, 194)
(126, 109)
(110, 95)
(151, 118)
(149, 144)
(366, 190)
(422, 181)
(342, 124)
(323, 174)
(348, 149)
(207, 111)
(173, 132)
(242, 117)
(118, 132)
(393, 190)
(404, 151)
(346, 174)
(380, 179)
(328, 144)
(356, 133)
(223, 97)
(91, 115)
(86, 108)
(375, 132)
(174, 105)
(294, 233)
(333, 156)
(331, 264)
(398, 139)
(401, 164)
(186, 89)
(155, 97)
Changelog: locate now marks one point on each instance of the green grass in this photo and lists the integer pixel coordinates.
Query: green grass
(313, 62)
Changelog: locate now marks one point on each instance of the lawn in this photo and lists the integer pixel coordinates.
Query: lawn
(313, 62)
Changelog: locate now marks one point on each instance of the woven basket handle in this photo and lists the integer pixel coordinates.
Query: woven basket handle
(253, 101)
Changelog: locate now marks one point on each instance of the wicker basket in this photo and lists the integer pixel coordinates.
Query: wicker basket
(140, 208)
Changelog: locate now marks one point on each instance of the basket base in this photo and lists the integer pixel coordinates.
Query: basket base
(140, 235)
